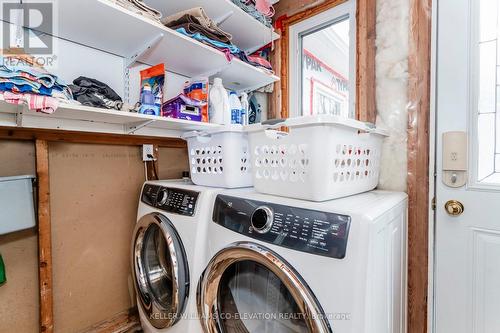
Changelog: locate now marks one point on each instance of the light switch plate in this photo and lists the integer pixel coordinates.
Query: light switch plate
(454, 159)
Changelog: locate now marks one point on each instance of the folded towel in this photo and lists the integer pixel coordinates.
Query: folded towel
(201, 18)
(192, 25)
(45, 104)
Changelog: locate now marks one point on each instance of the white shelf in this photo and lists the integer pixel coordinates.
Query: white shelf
(104, 25)
(248, 33)
(74, 117)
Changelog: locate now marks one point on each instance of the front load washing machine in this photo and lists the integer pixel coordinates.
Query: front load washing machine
(281, 265)
(169, 254)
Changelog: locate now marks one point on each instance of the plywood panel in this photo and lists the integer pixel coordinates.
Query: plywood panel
(172, 162)
(19, 296)
(94, 192)
(16, 158)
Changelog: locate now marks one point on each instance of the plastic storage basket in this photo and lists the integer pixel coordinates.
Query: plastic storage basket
(16, 204)
(320, 158)
(220, 158)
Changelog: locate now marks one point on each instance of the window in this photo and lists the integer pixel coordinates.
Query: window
(485, 91)
(322, 63)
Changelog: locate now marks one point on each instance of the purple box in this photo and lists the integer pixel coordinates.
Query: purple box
(182, 107)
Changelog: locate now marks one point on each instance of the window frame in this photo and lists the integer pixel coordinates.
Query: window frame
(474, 182)
(309, 25)
(365, 58)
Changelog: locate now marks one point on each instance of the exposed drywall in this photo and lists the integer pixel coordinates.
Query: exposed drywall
(94, 196)
(17, 158)
(19, 296)
(94, 192)
(392, 89)
(172, 162)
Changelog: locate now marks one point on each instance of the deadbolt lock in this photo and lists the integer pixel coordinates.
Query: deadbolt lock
(454, 207)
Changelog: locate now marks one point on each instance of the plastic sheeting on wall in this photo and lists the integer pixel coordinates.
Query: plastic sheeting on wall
(392, 89)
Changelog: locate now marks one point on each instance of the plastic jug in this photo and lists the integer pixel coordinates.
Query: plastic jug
(219, 112)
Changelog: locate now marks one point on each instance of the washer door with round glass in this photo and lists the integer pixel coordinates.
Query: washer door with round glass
(160, 270)
(247, 288)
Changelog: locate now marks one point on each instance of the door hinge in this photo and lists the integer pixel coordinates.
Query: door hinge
(433, 203)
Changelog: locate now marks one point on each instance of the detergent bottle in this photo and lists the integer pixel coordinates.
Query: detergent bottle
(220, 111)
(148, 102)
(235, 103)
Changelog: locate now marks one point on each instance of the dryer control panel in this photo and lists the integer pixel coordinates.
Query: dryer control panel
(301, 229)
(172, 200)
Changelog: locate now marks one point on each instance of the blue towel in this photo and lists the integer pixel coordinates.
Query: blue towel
(232, 48)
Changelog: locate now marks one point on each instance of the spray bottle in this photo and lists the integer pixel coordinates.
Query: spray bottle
(245, 106)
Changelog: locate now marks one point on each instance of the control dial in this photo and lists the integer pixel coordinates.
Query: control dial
(262, 219)
(162, 197)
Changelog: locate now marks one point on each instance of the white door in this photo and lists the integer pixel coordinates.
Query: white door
(467, 267)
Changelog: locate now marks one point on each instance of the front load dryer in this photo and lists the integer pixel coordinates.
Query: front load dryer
(168, 254)
(281, 265)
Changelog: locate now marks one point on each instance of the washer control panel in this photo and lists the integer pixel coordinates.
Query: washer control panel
(172, 200)
(300, 229)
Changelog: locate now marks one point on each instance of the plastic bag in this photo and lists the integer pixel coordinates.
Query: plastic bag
(152, 81)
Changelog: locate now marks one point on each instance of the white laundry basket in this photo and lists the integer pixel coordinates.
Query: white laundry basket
(320, 158)
(220, 157)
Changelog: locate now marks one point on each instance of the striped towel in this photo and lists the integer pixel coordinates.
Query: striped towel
(39, 103)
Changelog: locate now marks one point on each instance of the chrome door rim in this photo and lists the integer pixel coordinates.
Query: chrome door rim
(208, 286)
(158, 315)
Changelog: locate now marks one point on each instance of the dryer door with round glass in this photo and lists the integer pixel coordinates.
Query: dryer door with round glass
(247, 288)
(160, 270)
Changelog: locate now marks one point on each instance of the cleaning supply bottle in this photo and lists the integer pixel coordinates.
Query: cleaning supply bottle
(148, 101)
(3, 277)
(244, 108)
(220, 111)
(235, 103)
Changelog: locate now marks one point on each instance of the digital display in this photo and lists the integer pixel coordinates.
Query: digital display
(300, 229)
(172, 200)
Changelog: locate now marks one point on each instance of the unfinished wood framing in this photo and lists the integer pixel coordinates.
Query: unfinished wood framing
(44, 237)
(365, 58)
(418, 163)
(86, 137)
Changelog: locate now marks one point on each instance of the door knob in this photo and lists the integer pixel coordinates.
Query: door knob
(454, 207)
